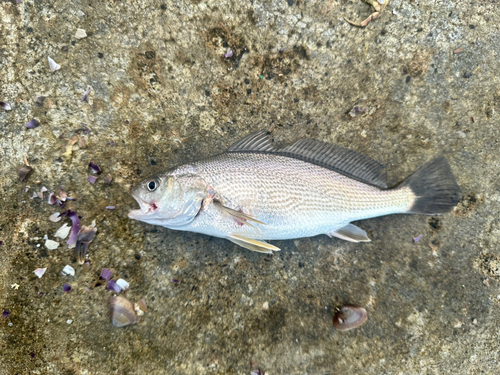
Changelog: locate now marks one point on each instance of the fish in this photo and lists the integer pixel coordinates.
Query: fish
(255, 192)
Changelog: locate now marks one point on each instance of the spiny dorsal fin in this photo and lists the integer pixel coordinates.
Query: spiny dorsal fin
(339, 159)
(255, 142)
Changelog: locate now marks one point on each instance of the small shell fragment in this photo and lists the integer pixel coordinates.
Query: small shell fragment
(112, 285)
(83, 240)
(229, 53)
(51, 245)
(5, 106)
(55, 217)
(106, 274)
(39, 272)
(63, 232)
(66, 288)
(140, 307)
(121, 311)
(68, 271)
(357, 111)
(349, 317)
(85, 97)
(95, 168)
(81, 143)
(24, 171)
(32, 124)
(80, 34)
(92, 179)
(122, 284)
(53, 65)
(39, 100)
(108, 179)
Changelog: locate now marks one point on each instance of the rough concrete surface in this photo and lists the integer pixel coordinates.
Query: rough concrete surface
(162, 93)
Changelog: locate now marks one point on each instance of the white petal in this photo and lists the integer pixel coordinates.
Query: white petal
(53, 65)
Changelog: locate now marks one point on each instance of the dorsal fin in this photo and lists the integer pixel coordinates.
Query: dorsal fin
(255, 142)
(336, 158)
(339, 159)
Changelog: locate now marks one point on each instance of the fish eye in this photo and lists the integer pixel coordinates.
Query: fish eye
(153, 184)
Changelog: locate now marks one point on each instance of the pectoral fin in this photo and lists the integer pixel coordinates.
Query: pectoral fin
(350, 233)
(254, 245)
(240, 217)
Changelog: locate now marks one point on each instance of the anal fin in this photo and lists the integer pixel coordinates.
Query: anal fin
(351, 233)
(254, 245)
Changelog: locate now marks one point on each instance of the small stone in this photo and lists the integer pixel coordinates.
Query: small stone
(80, 34)
(69, 321)
(265, 306)
(461, 134)
(68, 271)
(458, 50)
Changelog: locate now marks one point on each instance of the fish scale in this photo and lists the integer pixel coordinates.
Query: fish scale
(294, 199)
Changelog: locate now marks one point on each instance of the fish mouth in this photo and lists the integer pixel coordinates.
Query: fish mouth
(147, 209)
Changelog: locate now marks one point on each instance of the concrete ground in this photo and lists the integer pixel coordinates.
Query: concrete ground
(162, 93)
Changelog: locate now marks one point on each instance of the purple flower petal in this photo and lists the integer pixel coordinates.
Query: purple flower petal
(5, 313)
(112, 285)
(417, 238)
(175, 281)
(229, 53)
(85, 96)
(95, 168)
(92, 179)
(5, 106)
(106, 274)
(66, 288)
(75, 221)
(32, 124)
(110, 207)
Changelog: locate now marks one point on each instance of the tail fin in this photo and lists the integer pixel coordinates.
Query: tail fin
(435, 188)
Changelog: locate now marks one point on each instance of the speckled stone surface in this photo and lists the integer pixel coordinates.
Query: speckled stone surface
(161, 94)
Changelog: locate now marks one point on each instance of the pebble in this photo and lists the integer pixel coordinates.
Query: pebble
(80, 34)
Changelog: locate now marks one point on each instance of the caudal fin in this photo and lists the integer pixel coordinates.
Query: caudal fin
(435, 188)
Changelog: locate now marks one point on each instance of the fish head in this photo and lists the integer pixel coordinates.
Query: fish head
(170, 199)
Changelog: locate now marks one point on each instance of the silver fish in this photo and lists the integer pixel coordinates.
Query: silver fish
(255, 192)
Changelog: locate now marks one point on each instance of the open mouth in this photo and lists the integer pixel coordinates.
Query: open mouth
(146, 208)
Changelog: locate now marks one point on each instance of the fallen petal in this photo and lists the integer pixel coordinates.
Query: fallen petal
(110, 207)
(122, 312)
(40, 271)
(32, 124)
(5, 106)
(229, 53)
(68, 271)
(92, 179)
(53, 65)
(417, 238)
